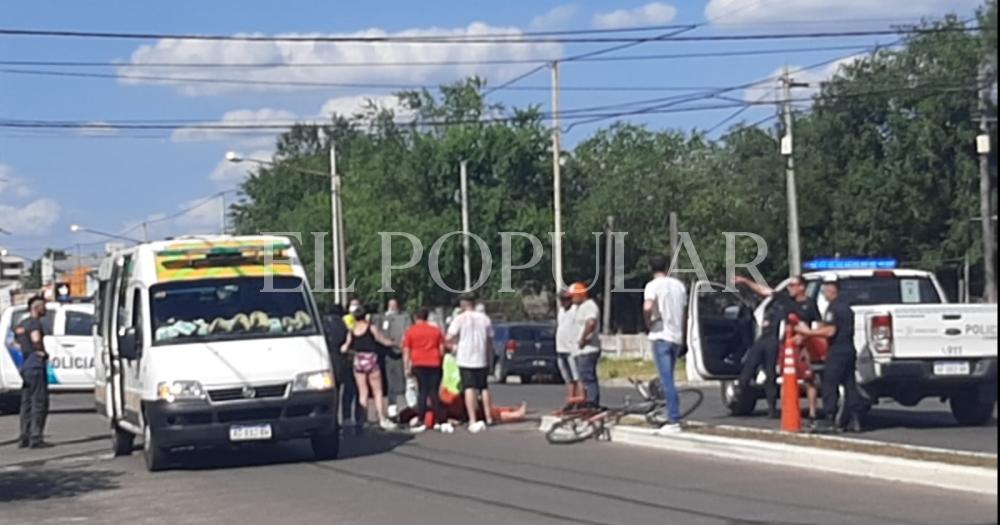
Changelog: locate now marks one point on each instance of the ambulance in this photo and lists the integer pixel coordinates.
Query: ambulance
(211, 341)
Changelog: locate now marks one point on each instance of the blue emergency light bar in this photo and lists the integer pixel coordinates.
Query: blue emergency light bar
(851, 264)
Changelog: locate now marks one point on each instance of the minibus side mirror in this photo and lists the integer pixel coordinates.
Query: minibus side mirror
(128, 346)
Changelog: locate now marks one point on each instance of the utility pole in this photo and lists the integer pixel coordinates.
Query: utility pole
(145, 233)
(464, 189)
(788, 150)
(966, 286)
(335, 225)
(557, 255)
(222, 213)
(608, 246)
(983, 147)
(673, 235)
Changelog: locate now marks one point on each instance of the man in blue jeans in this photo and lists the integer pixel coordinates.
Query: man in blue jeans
(663, 307)
(586, 326)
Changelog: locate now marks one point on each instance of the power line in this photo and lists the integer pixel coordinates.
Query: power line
(477, 39)
(585, 113)
(318, 84)
(370, 64)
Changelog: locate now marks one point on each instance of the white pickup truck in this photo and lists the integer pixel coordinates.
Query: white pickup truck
(912, 344)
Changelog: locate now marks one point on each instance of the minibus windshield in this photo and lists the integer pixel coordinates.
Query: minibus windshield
(229, 309)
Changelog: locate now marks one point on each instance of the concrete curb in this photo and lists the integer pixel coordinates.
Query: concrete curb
(928, 473)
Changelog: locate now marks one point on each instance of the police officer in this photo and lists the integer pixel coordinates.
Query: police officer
(764, 352)
(35, 381)
(838, 327)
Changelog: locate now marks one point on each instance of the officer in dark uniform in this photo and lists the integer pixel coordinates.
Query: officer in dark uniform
(838, 327)
(764, 352)
(35, 380)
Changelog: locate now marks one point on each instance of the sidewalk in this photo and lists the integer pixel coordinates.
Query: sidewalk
(934, 467)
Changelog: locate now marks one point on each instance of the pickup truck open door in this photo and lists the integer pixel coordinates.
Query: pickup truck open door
(721, 327)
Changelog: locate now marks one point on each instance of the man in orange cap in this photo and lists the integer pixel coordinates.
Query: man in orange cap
(585, 322)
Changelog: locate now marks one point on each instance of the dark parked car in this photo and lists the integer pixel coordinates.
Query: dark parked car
(524, 350)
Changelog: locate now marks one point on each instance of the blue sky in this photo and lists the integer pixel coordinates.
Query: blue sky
(110, 182)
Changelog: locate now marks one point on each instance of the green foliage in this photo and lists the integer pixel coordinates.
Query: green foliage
(886, 165)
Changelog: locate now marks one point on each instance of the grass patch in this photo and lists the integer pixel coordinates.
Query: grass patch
(637, 368)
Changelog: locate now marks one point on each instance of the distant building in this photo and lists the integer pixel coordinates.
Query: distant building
(13, 268)
(79, 272)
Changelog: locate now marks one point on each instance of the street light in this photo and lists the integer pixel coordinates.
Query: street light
(76, 228)
(336, 216)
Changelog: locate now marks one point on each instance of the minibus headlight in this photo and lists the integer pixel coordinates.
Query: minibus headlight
(313, 381)
(171, 391)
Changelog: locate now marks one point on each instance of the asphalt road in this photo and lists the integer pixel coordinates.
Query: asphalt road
(506, 475)
(928, 424)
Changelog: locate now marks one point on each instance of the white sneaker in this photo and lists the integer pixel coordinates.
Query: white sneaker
(393, 411)
(387, 424)
(668, 429)
(447, 428)
(477, 427)
(416, 426)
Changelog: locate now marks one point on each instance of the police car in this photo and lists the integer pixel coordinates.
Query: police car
(69, 342)
(911, 342)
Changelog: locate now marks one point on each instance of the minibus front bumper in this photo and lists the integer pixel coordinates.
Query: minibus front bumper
(201, 423)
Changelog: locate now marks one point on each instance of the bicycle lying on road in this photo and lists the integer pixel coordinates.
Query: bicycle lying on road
(585, 423)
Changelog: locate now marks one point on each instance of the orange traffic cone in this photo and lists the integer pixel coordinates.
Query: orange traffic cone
(791, 414)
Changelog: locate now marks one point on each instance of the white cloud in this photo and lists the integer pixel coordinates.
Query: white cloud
(771, 91)
(649, 14)
(228, 174)
(385, 56)
(249, 137)
(737, 12)
(358, 105)
(35, 218)
(350, 107)
(555, 18)
(12, 185)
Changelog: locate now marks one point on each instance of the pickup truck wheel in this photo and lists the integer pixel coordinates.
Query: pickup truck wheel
(972, 409)
(157, 458)
(738, 401)
(122, 442)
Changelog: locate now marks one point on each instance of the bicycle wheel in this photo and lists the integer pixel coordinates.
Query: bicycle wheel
(572, 430)
(657, 414)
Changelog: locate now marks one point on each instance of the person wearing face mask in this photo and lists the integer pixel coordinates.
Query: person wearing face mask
(355, 311)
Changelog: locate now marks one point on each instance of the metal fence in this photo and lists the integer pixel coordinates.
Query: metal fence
(626, 346)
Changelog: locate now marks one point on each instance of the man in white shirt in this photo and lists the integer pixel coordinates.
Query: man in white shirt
(566, 347)
(663, 307)
(471, 333)
(585, 318)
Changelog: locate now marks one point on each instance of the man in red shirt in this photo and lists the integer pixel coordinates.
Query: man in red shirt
(423, 349)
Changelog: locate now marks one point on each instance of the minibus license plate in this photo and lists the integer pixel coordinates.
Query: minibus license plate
(249, 432)
(951, 368)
